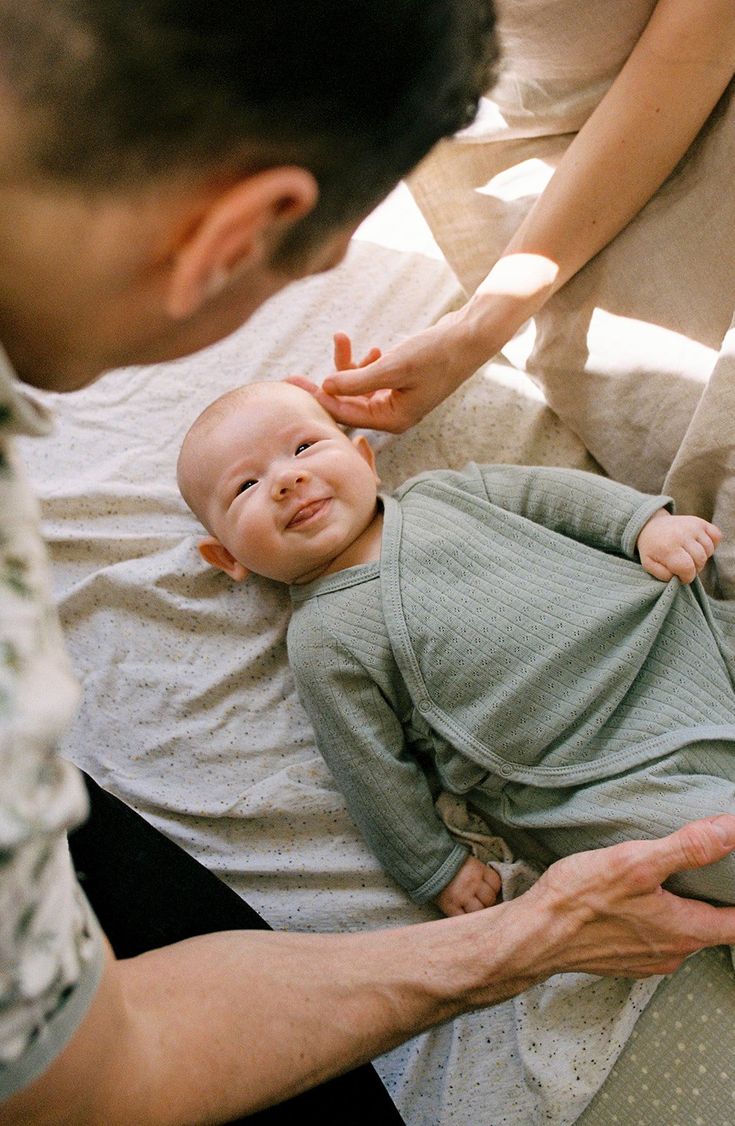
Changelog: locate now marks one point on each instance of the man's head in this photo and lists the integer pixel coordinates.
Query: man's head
(281, 488)
(238, 143)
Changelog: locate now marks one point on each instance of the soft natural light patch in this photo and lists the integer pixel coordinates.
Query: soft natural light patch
(519, 348)
(488, 122)
(398, 224)
(513, 377)
(621, 344)
(528, 178)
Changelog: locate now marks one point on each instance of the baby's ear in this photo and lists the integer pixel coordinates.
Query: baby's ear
(366, 452)
(214, 553)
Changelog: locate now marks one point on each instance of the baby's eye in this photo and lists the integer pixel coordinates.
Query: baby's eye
(246, 485)
(303, 446)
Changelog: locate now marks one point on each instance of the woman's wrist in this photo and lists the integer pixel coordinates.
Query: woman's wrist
(518, 285)
(488, 321)
(473, 335)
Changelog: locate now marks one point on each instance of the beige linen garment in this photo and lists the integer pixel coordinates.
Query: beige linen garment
(637, 355)
(634, 353)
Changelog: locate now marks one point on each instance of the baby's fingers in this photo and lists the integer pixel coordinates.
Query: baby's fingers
(713, 532)
(710, 537)
(486, 895)
(679, 563)
(701, 547)
(700, 538)
(699, 552)
(687, 562)
(488, 888)
(477, 904)
(658, 569)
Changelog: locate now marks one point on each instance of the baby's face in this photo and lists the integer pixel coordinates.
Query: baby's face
(285, 490)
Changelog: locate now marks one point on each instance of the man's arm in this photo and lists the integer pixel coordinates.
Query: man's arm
(219, 1026)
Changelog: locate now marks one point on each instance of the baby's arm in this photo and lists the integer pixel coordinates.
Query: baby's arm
(676, 545)
(474, 887)
(363, 742)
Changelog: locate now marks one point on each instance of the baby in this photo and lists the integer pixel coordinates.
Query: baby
(533, 639)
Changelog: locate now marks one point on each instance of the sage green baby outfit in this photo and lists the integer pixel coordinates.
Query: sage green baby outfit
(509, 648)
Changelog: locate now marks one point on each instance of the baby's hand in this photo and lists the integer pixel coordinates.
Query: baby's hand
(474, 887)
(676, 545)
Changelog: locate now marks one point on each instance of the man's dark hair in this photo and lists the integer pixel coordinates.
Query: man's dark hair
(357, 91)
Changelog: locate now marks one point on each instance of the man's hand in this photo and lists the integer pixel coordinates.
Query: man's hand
(676, 545)
(605, 912)
(475, 886)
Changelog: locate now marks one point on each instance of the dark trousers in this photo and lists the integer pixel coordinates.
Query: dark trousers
(147, 892)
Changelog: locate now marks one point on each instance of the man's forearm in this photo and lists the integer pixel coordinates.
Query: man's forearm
(222, 1025)
(292, 1009)
(295, 1009)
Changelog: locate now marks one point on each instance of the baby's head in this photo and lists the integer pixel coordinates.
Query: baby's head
(281, 489)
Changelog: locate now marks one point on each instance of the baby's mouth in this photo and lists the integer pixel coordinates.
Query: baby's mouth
(308, 512)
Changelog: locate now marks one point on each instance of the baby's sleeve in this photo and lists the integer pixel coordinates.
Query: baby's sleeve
(584, 506)
(363, 743)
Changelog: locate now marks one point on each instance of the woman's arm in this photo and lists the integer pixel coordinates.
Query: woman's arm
(218, 1026)
(643, 126)
(641, 129)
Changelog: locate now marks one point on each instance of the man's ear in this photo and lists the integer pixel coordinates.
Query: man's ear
(214, 553)
(366, 452)
(232, 233)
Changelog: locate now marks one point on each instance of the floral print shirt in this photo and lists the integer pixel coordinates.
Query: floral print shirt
(50, 944)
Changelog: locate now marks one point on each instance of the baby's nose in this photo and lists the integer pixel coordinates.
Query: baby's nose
(286, 481)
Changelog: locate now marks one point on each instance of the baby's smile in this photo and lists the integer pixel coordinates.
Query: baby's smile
(309, 512)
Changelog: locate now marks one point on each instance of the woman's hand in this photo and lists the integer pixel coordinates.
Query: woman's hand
(394, 391)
